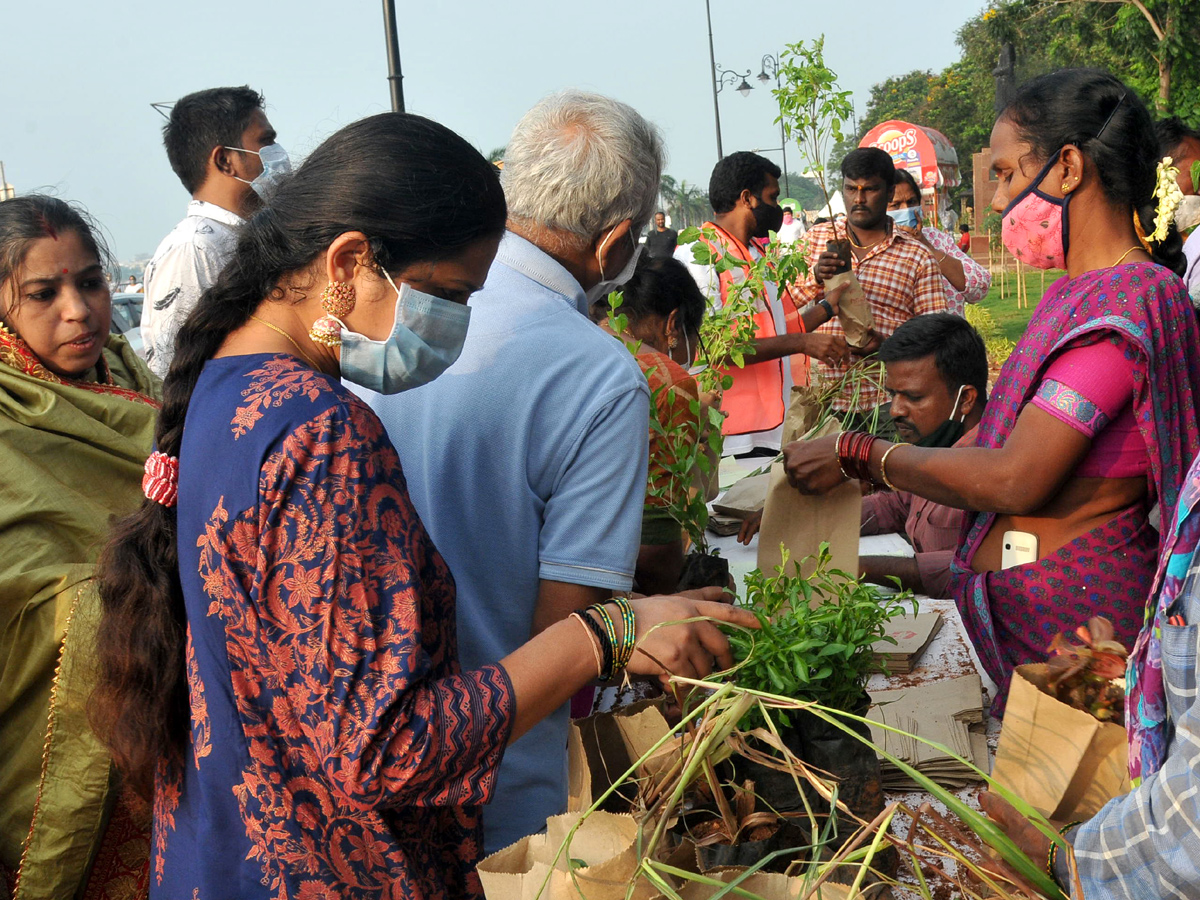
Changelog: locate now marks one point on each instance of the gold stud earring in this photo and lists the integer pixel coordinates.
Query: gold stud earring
(672, 343)
(1066, 187)
(337, 300)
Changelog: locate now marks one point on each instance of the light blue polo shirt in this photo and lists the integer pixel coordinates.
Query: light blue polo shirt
(526, 460)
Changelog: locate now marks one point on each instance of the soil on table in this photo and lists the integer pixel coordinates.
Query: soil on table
(702, 570)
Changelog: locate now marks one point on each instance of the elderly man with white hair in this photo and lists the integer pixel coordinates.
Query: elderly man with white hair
(526, 460)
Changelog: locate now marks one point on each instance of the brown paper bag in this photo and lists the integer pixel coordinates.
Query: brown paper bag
(768, 885)
(801, 522)
(745, 498)
(1064, 762)
(602, 855)
(854, 311)
(804, 409)
(601, 748)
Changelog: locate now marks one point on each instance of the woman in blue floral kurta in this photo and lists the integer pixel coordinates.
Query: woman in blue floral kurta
(334, 739)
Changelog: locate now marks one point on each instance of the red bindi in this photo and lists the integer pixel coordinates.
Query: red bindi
(65, 271)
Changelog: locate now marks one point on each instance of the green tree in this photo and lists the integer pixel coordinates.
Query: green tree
(1048, 34)
(1159, 37)
(804, 191)
(900, 97)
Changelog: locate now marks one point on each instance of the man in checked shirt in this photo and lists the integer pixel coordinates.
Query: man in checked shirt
(898, 275)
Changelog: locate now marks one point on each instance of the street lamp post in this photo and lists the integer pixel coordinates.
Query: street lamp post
(770, 69)
(719, 81)
(395, 78)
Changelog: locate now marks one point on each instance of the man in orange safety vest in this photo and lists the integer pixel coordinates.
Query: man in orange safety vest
(744, 193)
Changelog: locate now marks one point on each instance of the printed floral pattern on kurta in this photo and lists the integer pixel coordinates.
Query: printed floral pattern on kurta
(347, 753)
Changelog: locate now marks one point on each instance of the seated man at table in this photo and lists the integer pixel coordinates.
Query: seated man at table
(937, 381)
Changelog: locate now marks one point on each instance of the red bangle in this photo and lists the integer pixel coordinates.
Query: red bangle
(845, 458)
(861, 450)
(851, 458)
(854, 454)
(866, 462)
(863, 457)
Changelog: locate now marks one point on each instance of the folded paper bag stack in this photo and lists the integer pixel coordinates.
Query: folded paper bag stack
(949, 713)
(912, 636)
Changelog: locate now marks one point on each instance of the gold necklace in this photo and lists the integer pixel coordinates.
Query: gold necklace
(1121, 258)
(278, 330)
(856, 244)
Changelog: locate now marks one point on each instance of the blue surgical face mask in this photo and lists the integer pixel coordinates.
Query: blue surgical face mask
(275, 165)
(607, 286)
(425, 341)
(909, 217)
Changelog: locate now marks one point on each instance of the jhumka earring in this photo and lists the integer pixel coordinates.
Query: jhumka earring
(337, 300)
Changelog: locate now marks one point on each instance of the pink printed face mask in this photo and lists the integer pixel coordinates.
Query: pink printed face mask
(1034, 225)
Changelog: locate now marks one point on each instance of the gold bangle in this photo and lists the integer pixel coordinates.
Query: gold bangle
(591, 642)
(883, 465)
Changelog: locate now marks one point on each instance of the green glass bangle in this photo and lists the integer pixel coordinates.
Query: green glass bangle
(629, 631)
(609, 627)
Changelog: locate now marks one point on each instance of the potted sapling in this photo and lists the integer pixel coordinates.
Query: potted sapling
(815, 644)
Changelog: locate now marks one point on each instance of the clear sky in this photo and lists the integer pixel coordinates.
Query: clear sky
(77, 78)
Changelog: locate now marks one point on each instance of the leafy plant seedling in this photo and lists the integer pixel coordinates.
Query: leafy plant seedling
(817, 633)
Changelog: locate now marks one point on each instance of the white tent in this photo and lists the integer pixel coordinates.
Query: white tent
(835, 207)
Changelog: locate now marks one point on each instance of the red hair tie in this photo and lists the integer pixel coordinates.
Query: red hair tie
(161, 481)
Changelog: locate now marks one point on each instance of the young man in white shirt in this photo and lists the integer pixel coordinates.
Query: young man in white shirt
(223, 149)
(792, 228)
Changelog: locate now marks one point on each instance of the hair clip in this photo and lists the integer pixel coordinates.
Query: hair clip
(161, 481)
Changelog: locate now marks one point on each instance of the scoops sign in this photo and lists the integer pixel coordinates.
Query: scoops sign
(901, 145)
(922, 151)
(898, 142)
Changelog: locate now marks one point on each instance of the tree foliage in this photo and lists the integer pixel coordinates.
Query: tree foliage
(1047, 34)
(1158, 40)
(804, 191)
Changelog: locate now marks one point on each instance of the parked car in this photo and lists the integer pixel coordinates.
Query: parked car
(127, 319)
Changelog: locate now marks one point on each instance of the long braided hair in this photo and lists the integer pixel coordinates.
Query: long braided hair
(421, 193)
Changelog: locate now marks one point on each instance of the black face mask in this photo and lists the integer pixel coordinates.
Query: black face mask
(767, 219)
(949, 432)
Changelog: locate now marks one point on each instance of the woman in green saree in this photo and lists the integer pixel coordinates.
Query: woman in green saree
(77, 411)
